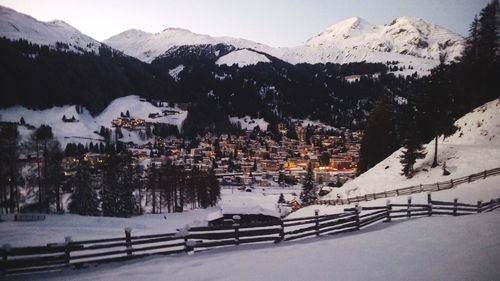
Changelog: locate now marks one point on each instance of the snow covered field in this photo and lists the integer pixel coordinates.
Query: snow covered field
(436, 248)
(56, 227)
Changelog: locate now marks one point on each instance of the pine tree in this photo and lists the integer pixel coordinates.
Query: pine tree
(436, 106)
(84, 200)
(378, 140)
(413, 150)
(111, 186)
(481, 59)
(117, 186)
(40, 141)
(10, 168)
(53, 174)
(308, 191)
(213, 188)
(281, 199)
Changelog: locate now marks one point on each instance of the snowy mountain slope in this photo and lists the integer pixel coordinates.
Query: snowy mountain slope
(475, 147)
(247, 123)
(409, 40)
(242, 58)
(83, 130)
(148, 46)
(174, 72)
(57, 34)
(405, 36)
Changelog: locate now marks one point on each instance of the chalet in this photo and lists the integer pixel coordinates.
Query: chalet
(242, 215)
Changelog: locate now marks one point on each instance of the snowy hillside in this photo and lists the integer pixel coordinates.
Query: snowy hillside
(475, 147)
(247, 123)
(409, 40)
(83, 129)
(57, 34)
(242, 58)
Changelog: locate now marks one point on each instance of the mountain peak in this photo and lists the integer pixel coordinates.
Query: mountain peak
(15, 25)
(131, 34)
(342, 30)
(349, 23)
(408, 20)
(58, 22)
(177, 29)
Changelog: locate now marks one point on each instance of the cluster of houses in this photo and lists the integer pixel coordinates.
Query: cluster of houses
(129, 123)
(260, 160)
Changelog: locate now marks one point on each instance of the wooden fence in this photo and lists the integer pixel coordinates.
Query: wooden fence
(190, 240)
(412, 189)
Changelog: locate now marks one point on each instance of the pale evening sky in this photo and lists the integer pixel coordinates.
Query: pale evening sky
(279, 23)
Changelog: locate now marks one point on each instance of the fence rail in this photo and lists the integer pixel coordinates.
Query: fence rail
(438, 186)
(55, 256)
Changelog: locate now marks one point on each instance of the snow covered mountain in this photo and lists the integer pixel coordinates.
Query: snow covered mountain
(409, 40)
(148, 46)
(57, 33)
(405, 36)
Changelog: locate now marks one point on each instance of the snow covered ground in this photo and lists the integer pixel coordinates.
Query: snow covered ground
(247, 123)
(242, 58)
(83, 130)
(56, 227)
(436, 248)
(483, 190)
(475, 147)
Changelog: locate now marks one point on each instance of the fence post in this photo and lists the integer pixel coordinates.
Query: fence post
(469, 179)
(408, 211)
(421, 188)
(67, 250)
(484, 174)
(451, 182)
(316, 221)
(429, 204)
(455, 201)
(479, 206)
(356, 213)
(397, 192)
(128, 240)
(282, 232)
(236, 224)
(437, 185)
(389, 208)
(189, 246)
(5, 252)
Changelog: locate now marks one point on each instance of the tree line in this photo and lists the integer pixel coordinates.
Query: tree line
(113, 183)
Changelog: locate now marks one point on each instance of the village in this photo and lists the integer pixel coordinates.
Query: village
(254, 158)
